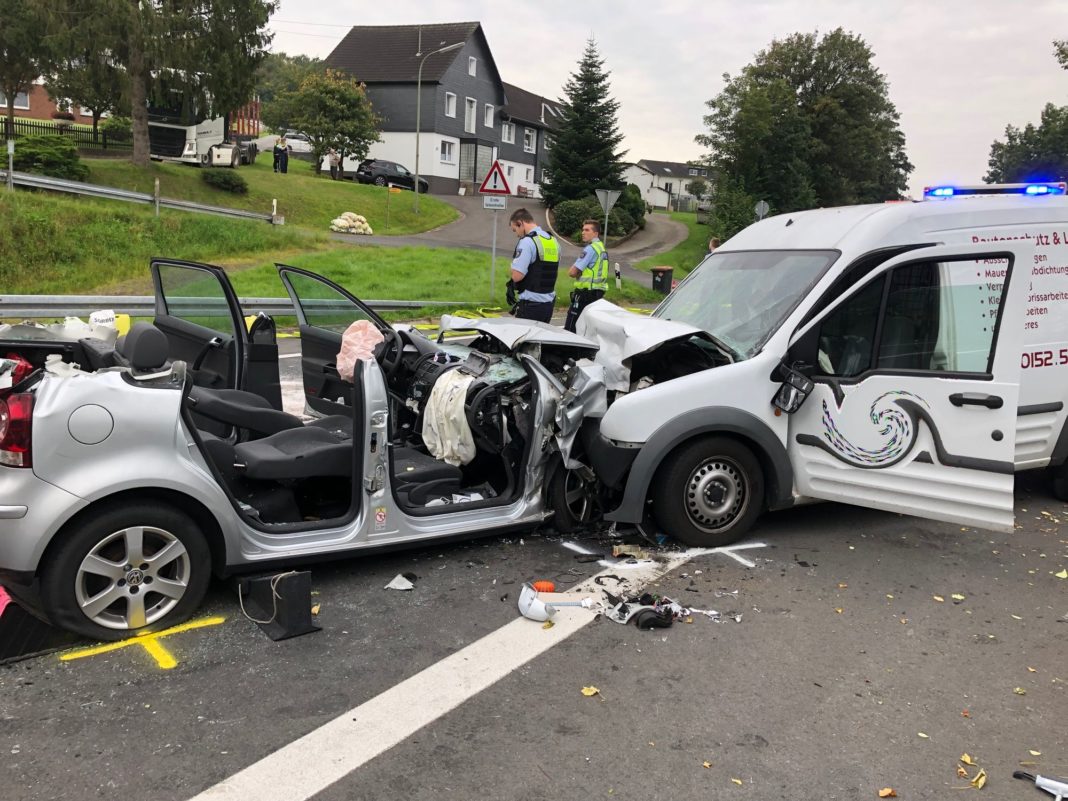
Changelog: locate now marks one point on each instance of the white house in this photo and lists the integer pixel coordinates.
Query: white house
(665, 184)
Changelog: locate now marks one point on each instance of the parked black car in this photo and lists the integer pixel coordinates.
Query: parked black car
(381, 172)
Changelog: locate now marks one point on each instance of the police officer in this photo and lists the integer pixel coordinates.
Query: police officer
(591, 272)
(535, 263)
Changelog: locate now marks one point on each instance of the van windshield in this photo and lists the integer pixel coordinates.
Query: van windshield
(741, 298)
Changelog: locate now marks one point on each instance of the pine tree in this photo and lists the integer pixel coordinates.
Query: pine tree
(583, 154)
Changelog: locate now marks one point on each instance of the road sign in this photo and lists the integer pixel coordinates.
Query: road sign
(761, 208)
(494, 202)
(495, 182)
(607, 198)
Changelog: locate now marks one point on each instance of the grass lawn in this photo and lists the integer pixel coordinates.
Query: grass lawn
(688, 253)
(61, 245)
(306, 200)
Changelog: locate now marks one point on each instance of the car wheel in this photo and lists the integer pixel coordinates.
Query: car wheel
(132, 569)
(709, 492)
(380, 181)
(1060, 482)
(572, 500)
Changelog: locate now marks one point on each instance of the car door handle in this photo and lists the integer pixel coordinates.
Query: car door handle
(976, 399)
(209, 346)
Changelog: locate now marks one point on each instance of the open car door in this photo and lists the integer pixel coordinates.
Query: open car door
(324, 310)
(915, 376)
(198, 310)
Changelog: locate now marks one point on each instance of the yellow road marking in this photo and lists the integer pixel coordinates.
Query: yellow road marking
(150, 642)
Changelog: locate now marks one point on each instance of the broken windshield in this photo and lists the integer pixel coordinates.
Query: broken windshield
(742, 297)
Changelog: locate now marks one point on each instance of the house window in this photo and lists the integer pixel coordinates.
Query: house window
(446, 151)
(530, 174)
(530, 140)
(472, 65)
(509, 170)
(693, 171)
(470, 112)
(667, 187)
(487, 117)
(22, 100)
(508, 133)
(450, 104)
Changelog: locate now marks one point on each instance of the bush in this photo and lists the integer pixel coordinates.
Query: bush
(49, 154)
(63, 115)
(631, 202)
(120, 129)
(568, 215)
(227, 180)
(619, 221)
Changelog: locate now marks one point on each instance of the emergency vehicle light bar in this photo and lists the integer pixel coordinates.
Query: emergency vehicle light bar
(1035, 189)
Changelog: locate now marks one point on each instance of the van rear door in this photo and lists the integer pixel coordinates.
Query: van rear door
(916, 381)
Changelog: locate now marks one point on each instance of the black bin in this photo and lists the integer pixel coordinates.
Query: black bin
(662, 280)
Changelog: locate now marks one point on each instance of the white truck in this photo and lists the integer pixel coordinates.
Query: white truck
(178, 133)
(910, 357)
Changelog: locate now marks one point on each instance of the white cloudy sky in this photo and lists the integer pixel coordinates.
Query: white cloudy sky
(959, 70)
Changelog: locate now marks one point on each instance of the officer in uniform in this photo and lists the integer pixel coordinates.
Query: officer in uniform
(591, 272)
(535, 263)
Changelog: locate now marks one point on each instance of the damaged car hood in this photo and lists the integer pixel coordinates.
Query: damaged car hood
(513, 333)
(621, 335)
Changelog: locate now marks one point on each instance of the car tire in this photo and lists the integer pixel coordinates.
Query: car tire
(709, 492)
(380, 181)
(100, 559)
(572, 500)
(1060, 482)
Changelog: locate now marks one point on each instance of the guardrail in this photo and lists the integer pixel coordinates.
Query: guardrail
(40, 306)
(113, 193)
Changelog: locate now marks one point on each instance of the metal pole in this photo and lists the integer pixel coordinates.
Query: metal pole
(493, 260)
(606, 229)
(155, 194)
(10, 164)
(418, 113)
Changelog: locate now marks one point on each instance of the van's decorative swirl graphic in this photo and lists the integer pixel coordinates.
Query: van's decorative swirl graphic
(896, 425)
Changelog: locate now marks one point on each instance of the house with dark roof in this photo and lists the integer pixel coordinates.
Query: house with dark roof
(666, 184)
(468, 115)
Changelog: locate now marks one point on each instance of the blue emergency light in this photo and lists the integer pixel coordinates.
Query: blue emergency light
(1032, 190)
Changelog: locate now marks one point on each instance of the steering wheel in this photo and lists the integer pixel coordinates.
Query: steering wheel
(389, 358)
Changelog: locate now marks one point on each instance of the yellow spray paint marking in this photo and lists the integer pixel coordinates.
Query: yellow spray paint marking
(150, 642)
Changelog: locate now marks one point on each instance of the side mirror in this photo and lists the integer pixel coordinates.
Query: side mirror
(795, 388)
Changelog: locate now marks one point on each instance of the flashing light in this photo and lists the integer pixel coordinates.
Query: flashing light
(1031, 190)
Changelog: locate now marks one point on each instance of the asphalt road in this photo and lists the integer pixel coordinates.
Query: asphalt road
(845, 675)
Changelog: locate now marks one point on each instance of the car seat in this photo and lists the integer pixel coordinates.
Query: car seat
(250, 412)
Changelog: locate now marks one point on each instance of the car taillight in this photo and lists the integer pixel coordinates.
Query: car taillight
(16, 418)
(22, 368)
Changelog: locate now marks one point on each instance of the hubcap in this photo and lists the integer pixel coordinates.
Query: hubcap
(717, 494)
(576, 496)
(132, 577)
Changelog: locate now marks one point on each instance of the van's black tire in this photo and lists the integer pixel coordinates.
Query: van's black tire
(572, 500)
(709, 492)
(163, 525)
(1060, 481)
(380, 181)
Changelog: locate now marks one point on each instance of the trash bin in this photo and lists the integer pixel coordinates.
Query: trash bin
(662, 280)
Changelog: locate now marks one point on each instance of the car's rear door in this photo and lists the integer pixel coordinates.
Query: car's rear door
(197, 309)
(324, 310)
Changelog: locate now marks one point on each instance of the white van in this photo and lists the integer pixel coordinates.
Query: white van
(908, 356)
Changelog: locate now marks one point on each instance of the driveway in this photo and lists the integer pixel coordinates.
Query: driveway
(474, 230)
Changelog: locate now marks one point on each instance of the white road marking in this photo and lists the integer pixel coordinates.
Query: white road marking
(354, 738)
(289, 356)
(727, 550)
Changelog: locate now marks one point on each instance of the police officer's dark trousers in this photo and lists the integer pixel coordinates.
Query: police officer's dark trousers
(530, 310)
(580, 299)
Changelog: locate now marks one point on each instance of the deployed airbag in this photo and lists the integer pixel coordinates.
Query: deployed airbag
(446, 432)
(358, 342)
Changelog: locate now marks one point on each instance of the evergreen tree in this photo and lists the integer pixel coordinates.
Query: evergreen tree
(27, 50)
(583, 153)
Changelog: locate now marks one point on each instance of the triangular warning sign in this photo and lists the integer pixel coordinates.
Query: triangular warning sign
(495, 182)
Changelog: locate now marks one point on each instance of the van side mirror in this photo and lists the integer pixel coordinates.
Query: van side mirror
(796, 386)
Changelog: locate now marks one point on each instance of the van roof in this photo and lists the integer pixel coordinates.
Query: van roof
(853, 229)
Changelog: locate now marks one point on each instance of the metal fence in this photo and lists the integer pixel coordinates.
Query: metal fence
(84, 138)
(34, 181)
(49, 306)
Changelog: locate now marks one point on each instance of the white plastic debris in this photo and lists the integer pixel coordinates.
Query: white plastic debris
(399, 583)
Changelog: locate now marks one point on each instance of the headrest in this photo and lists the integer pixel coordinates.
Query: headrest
(145, 347)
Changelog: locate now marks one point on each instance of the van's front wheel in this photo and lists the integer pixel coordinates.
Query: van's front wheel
(709, 493)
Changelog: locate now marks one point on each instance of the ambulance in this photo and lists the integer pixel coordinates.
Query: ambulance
(910, 357)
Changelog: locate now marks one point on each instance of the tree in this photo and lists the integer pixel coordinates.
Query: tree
(583, 156)
(207, 51)
(698, 187)
(279, 73)
(1060, 49)
(1032, 154)
(332, 109)
(809, 123)
(26, 50)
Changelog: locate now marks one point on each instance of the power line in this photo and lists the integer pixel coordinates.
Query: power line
(317, 24)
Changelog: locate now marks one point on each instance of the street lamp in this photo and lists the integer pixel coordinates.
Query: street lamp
(418, 111)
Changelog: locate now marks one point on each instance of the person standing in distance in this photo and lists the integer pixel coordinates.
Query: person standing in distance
(535, 263)
(590, 272)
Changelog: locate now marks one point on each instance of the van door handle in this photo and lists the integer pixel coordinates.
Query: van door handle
(975, 399)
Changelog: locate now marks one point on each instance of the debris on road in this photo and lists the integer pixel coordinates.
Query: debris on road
(401, 581)
(887, 792)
